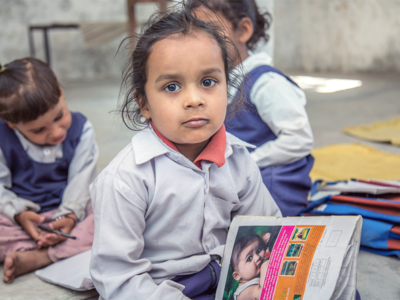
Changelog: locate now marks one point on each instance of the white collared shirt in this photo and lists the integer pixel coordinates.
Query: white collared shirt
(157, 215)
(280, 105)
(81, 172)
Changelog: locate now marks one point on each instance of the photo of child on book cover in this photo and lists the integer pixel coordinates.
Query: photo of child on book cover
(249, 261)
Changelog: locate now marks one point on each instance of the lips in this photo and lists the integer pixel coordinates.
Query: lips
(196, 122)
(58, 140)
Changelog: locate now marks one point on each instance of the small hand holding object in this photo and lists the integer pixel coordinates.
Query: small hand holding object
(28, 220)
(266, 237)
(63, 224)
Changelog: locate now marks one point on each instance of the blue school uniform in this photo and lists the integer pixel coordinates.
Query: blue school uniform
(288, 184)
(41, 183)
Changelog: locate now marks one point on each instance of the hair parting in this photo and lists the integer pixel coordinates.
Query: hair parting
(28, 89)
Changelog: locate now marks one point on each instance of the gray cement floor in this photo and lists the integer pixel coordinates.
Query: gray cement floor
(377, 99)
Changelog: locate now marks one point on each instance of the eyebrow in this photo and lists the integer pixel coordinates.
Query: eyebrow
(174, 76)
(38, 129)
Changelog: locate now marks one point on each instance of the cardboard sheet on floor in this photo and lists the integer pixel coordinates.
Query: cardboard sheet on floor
(71, 273)
(347, 161)
(384, 131)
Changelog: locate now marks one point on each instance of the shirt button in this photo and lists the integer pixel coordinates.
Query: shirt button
(46, 151)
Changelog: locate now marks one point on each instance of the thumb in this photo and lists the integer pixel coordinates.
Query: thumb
(41, 219)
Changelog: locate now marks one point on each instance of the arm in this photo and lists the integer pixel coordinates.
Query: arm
(10, 203)
(281, 106)
(254, 196)
(117, 269)
(81, 173)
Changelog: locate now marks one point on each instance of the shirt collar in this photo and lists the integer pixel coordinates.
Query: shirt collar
(146, 145)
(214, 151)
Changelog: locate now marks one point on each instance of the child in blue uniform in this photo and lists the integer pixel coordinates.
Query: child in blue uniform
(274, 118)
(47, 161)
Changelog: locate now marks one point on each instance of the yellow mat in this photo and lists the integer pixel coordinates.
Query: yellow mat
(385, 131)
(341, 162)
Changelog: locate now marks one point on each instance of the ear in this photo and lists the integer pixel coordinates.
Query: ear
(144, 107)
(245, 30)
(11, 125)
(236, 275)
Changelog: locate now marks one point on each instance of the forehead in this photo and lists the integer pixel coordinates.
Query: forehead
(48, 117)
(214, 18)
(183, 52)
(250, 247)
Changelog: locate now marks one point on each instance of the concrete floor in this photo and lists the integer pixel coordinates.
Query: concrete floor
(377, 99)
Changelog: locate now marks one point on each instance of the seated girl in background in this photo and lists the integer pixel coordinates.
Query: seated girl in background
(47, 161)
(163, 206)
(274, 118)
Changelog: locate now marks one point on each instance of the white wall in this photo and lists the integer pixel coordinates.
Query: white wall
(70, 58)
(337, 35)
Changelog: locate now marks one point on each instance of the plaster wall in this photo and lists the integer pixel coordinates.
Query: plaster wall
(70, 59)
(337, 35)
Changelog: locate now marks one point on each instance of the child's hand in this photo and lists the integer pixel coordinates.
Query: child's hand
(28, 220)
(63, 224)
(266, 237)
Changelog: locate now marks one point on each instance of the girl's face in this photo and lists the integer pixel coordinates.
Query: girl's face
(239, 37)
(50, 128)
(249, 263)
(186, 88)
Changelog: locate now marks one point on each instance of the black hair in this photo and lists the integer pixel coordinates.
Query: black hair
(242, 243)
(28, 89)
(235, 10)
(179, 20)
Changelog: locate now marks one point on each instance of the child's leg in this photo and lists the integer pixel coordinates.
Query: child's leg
(18, 263)
(18, 251)
(203, 284)
(13, 238)
(84, 232)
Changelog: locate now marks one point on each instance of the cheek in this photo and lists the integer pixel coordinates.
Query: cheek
(66, 122)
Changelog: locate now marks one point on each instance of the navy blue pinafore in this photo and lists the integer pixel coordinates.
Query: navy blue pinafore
(41, 183)
(288, 184)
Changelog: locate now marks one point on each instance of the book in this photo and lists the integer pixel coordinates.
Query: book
(71, 273)
(375, 187)
(296, 258)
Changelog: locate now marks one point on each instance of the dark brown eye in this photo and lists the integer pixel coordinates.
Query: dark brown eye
(172, 87)
(208, 82)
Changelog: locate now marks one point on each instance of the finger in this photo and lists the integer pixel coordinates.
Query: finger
(32, 231)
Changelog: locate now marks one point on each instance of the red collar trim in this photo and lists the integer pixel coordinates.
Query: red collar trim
(164, 139)
(214, 151)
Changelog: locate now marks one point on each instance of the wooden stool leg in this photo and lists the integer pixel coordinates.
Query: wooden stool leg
(163, 6)
(131, 17)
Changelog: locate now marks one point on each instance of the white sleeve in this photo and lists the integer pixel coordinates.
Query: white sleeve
(255, 197)
(10, 203)
(117, 270)
(281, 106)
(81, 173)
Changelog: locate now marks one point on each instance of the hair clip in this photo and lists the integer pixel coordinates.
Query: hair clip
(2, 68)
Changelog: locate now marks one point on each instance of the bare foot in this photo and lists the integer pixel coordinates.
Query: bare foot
(18, 263)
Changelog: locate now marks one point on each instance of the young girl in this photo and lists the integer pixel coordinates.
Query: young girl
(275, 119)
(163, 206)
(249, 266)
(47, 161)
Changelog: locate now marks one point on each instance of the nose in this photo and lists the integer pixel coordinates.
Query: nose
(56, 131)
(193, 98)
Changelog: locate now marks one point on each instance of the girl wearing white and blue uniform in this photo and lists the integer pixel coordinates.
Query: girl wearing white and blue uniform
(276, 121)
(274, 118)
